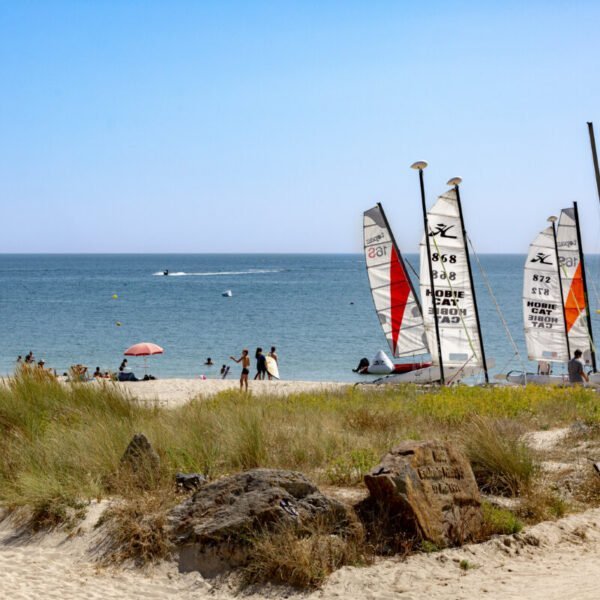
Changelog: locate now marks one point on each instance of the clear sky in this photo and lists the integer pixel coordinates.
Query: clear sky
(172, 126)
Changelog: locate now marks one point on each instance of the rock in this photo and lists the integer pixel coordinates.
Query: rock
(215, 526)
(189, 481)
(140, 456)
(428, 489)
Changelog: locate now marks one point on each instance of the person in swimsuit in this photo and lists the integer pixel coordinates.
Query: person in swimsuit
(245, 360)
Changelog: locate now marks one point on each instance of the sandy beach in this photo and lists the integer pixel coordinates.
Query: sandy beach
(551, 560)
(174, 392)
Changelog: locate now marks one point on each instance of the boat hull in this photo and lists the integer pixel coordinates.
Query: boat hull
(520, 378)
(401, 368)
(428, 375)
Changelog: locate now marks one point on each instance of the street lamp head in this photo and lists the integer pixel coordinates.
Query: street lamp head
(454, 181)
(552, 219)
(419, 165)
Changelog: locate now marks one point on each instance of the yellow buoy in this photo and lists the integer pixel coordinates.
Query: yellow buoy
(118, 323)
(114, 296)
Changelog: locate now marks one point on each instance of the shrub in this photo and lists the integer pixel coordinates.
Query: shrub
(588, 490)
(135, 530)
(52, 513)
(502, 463)
(304, 557)
(541, 504)
(351, 468)
(499, 521)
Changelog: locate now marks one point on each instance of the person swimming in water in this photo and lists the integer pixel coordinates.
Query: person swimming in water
(166, 272)
(245, 360)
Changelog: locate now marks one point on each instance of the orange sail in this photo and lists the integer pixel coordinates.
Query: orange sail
(575, 301)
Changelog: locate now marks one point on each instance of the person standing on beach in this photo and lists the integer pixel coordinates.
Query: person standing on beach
(576, 372)
(245, 360)
(273, 355)
(261, 364)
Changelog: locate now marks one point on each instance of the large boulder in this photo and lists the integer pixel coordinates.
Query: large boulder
(214, 527)
(429, 491)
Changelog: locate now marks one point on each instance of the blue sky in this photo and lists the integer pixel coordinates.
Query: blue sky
(177, 126)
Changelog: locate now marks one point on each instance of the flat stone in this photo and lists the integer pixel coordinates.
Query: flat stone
(428, 489)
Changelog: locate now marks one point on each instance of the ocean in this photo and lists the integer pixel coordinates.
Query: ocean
(316, 309)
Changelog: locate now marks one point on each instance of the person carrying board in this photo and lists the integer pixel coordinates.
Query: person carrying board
(273, 355)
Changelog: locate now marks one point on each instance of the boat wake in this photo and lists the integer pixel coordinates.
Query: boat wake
(217, 273)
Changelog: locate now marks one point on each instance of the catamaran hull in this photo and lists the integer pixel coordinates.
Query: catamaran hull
(430, 375)
(400, 368)
(535, 379)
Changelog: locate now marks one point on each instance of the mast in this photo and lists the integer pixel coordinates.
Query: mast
(420, 165)
(560, 286)
(583, 277)
(594, 156)
(400, 257)
(456, 181)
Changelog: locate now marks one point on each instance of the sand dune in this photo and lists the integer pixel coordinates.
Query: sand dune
(552, 560)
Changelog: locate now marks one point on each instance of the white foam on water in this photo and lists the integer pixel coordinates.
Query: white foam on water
(218, 273)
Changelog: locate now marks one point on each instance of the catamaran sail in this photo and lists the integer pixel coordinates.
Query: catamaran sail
(573, 284)
(542, 303)
(395, 301)
(556, 311)
(460, 343)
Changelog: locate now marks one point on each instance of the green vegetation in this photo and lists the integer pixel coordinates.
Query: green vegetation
(502, 462)
(465, 565)
(61, 444)
(499, 521)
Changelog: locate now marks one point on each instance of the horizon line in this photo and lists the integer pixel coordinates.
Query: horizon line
(360, 253)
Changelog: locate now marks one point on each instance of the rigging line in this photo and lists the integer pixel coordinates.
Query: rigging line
(595, 290)
(462, 320)
(412, 269)
(496, 305)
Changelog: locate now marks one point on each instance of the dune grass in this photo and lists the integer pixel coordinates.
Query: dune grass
(61, 444)
(502, 462)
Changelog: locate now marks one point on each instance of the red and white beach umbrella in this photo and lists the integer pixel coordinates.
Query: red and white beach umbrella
(143, 349)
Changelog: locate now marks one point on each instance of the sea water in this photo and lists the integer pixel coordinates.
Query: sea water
(316, 309)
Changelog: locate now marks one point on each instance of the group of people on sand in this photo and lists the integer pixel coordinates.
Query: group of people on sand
(80, 372)
(261, 365)
(29, 361)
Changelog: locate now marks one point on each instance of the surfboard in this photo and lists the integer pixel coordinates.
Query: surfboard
(272, 368)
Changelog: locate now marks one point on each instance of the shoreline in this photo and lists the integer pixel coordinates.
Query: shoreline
(171, 393)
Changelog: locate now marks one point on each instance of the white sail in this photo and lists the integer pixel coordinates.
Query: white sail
(571, 274)
(542, 307)
(395, 302)
(455, 305)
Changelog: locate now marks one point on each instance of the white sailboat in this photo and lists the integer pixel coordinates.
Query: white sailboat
(396, 303)
(449, 316)
(555, 306)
